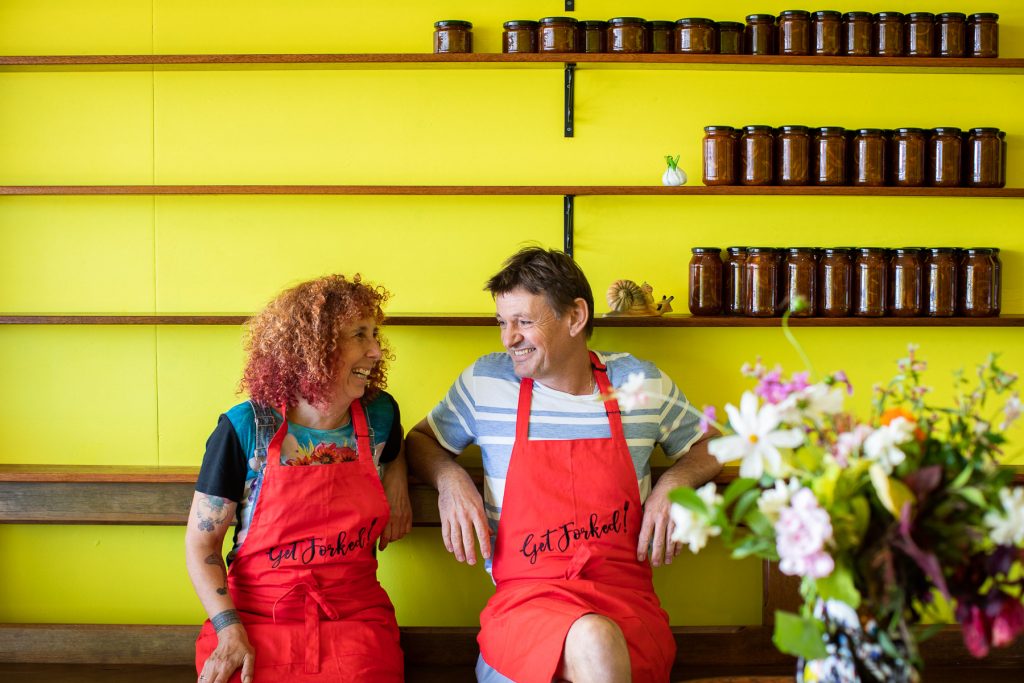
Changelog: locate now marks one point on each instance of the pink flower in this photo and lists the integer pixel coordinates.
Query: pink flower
(975, 632)
(707, 416)
(1008, 623)
(849, 442)
(801, 533)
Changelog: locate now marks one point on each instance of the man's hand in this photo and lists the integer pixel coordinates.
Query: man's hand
(656, 528)
(462, 515)
(396, 490)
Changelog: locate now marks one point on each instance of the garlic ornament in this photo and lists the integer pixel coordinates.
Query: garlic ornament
(673, 175)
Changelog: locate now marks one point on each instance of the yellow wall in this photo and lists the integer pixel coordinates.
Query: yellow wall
(150, 395)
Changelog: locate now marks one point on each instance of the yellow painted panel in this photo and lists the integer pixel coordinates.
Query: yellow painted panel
(78, 395)
(433, 253)
(76, 127)
(709, 589)
(73, 27)
(76, 254)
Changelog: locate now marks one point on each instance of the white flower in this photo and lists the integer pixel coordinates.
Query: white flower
(849, 442)
(1007, 525)
(631, 394)
(692, 529)
(801, 533)
(757, 441)
(882, 445)
(1012, 409)
(813, 402)
(774, 499)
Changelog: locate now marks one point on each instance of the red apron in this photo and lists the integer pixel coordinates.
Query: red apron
(305, 580)
(566, 547)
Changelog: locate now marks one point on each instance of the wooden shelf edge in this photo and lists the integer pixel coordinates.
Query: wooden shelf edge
(487, 320)
(512, 190)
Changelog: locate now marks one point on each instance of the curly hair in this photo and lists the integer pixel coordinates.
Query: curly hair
(293, 344)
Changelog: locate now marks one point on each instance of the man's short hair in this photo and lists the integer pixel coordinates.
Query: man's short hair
(549, 272)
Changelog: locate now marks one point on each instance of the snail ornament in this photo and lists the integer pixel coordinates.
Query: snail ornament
(626, 298)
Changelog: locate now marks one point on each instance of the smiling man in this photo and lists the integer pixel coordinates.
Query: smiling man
(568, 501)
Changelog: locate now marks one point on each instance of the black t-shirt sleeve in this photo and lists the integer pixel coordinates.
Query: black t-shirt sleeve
(224, 466)
(394, 442)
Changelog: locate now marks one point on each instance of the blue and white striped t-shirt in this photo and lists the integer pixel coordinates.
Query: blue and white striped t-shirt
(481, 408)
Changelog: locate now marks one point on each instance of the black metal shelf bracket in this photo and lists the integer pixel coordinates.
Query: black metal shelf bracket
(568, 207)
(570, 5)
(570, 97)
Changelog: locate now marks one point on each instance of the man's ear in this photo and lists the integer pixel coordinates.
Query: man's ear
(579, 315)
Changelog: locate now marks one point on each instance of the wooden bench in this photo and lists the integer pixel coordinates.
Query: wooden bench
(40, 653)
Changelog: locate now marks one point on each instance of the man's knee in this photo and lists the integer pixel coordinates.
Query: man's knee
(594, 630)
(595, 649)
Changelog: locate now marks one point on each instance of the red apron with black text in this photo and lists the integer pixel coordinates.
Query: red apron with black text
(566, 547)
(305, 580)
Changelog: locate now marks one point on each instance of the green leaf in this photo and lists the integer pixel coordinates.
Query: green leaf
(744, 504)
(689, 499)
(892, 492)
(800, 637)
(861, 516)
(839, 586)
(973, 495)
(962, 478)
(735, 489)
(752, 545)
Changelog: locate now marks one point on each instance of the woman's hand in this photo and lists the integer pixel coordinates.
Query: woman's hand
(396, 489)
(233, 651)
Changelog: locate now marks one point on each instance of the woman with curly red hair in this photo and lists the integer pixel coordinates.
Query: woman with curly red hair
(312, 469)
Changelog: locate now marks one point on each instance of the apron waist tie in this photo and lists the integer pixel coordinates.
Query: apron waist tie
(314, 603)
(579, 561)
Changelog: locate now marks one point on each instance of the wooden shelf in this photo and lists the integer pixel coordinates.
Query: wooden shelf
(513, 190)
(490, 60)
(487, 320)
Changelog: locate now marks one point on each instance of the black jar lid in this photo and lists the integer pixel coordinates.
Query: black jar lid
(869, 131)
(947, 130)
(736, 251)
(706, 250)
(760, 250)
(757, 129)
(719, 129)
(453, 23)
(833, 251)
(951, 16)
(907, 251)
(849, 16)
(796, 251)
(866, 251)
(591, 24)
(729, 26)
(751, 18)
(795, 14)
(793, 129)
(520, 23)
(920, 16)
(695, 21)
(990, 131)
(620, 21)
(830, 130)
(889, 16)
(978, 251)
(941, 250)
(992, 16)
(827, 14)
(551, 21)
(664, 25)
(909, 131)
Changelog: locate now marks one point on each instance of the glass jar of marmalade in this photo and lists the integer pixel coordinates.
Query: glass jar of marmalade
(940, 271)
(944, 149)
(794, 32)
(997, 280)
(557, 34)
(730, 38)
(453, 36)
(720, 151)
(871, 282)
(695, 36)
(756, 158)
(982, 35)
(868, 158)
(706, 281)
(984, 157)
(828, 156)
(519, 36)
(835, 273)
(792, 155)
(592, 36)
(761, 282)
(759, 35)
(905, 282)
(826, 28)
(977, 284)
(951, 34)
(661, 36)
(801, 280)
(907, 157)
(920, 34)
(857, 28)
(734, 276)
(887, 33)
(627, 34)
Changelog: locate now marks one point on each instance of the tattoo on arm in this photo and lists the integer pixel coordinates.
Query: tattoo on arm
(215, 559)
(224, 619)
(211, 512)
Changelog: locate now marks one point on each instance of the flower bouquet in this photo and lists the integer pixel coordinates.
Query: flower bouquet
(878, 516)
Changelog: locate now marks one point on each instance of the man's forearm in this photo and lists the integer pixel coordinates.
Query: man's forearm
(428, 459)
(695, 468)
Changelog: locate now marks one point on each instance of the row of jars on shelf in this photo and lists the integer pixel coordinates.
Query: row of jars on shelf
(796, 32)
(845, 281)
(864, 157)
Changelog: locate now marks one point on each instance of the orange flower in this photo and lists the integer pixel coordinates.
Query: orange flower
(891, 414)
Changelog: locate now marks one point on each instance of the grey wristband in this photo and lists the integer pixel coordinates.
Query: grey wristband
(225, 619)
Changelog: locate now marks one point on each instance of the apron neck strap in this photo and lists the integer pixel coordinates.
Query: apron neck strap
(274, 449)
(359, 427)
